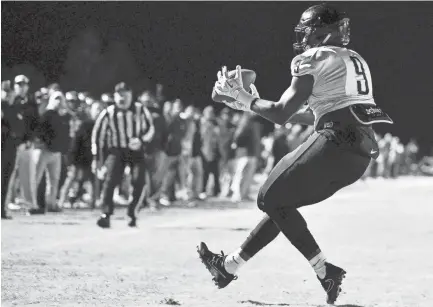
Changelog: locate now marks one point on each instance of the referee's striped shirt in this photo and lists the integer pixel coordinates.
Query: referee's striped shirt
(115, 127)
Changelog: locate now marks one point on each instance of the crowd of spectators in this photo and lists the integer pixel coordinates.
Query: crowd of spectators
(47, 158)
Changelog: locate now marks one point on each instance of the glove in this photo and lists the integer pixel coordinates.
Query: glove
(233, 87)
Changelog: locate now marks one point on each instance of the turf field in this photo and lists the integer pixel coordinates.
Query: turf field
(381, 232)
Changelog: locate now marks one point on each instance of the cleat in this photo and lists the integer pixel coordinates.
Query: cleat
(332, 282)
(104, 221)
(215, 265)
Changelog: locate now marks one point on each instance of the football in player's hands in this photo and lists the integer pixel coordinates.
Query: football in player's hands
(248, 77)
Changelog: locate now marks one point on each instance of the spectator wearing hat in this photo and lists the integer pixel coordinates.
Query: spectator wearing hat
(29, 111)
(13, 133)
(128, 128)
(23, 160)
(28, 105)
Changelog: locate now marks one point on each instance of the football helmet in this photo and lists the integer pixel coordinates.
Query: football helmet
(320, 25)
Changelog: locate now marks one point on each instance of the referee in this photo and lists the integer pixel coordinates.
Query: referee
(124, 129)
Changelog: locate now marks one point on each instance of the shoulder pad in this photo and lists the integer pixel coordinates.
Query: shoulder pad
(309, 62)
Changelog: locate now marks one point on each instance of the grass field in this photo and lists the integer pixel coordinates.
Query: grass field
(381, 232)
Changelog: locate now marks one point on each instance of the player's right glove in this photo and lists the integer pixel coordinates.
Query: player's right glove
(233, 87)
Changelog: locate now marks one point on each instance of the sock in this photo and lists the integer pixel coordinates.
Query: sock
(234, 261)
(318, 264)
(264, 233)
(294, 227)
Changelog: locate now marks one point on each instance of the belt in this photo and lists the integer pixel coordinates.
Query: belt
(338, 119)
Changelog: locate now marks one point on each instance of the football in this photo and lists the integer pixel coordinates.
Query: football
(248, 77)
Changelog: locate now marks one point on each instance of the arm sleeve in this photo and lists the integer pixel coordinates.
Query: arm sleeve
(99, 133)
(149, 127)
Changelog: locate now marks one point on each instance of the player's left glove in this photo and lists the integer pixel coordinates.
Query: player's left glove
(233, 87)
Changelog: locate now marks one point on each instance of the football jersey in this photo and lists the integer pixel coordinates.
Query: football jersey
(341, 78)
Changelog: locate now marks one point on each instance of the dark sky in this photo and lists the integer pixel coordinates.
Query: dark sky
(183, 44)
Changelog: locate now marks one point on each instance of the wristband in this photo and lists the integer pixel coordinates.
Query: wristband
(245, 97)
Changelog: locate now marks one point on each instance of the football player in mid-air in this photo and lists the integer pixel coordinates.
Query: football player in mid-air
(336, 84)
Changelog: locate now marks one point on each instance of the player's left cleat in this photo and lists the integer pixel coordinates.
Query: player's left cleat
(332, 282)
(215, 265)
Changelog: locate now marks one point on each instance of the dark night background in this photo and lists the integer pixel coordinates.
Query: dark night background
(91, 46)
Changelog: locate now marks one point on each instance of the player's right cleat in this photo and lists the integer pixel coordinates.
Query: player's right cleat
(332, 282)
(215, 265)
(104, 221)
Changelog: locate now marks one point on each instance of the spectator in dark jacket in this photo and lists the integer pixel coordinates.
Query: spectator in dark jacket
(28, 105)
(210, 150)
(156, 164)
(175, 133)
(248, 149)
(80, 158)
(227, 130)
(12, 134)
(29, 111)
(53, 134)
(195, 163)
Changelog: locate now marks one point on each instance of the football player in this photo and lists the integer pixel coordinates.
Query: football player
(336, 84)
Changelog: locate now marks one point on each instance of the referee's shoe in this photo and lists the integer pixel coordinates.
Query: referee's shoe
(104, 221)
